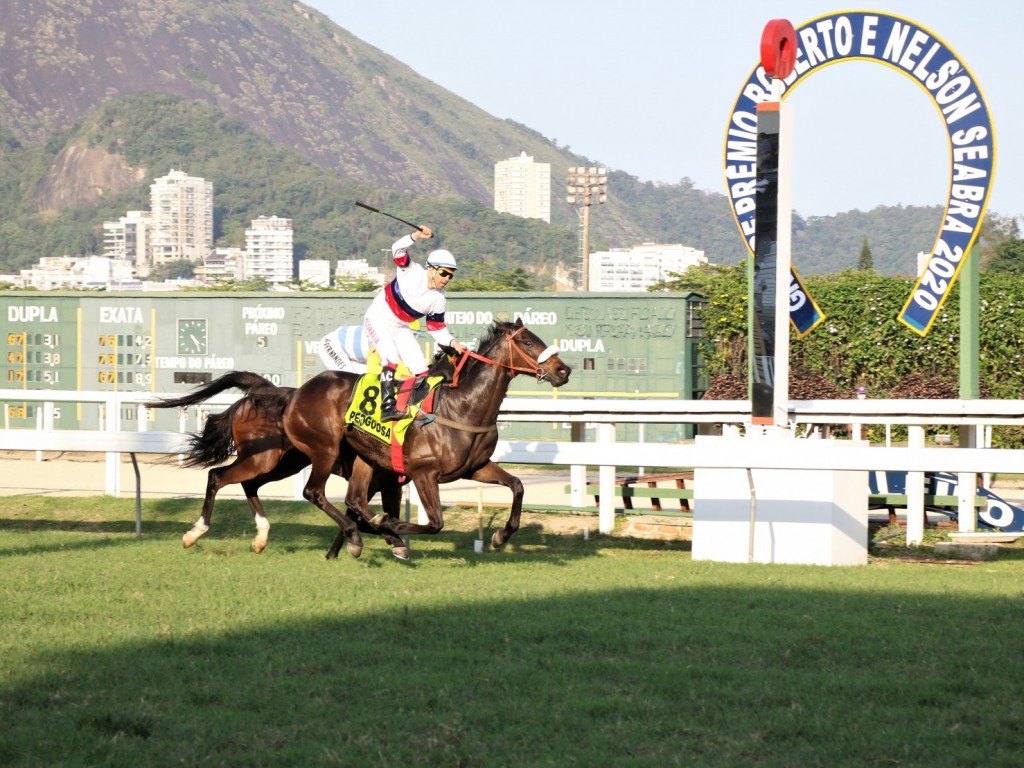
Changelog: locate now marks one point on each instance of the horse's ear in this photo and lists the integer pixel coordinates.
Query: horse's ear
(519, 322)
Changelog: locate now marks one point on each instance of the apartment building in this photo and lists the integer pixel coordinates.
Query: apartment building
(269, 251)
(127, 239)
(523, 187)
(181, 211)
(639, 267)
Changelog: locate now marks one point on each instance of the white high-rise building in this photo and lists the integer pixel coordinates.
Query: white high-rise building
(128, 239)
(181, 208)
(523, 187)
(268, 250)
(639, 267)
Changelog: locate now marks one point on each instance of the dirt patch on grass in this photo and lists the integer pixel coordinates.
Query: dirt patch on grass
(572, 523)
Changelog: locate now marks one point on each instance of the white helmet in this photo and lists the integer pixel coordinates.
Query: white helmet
(441, 258)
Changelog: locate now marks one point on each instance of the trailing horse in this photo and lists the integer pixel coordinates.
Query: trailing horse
(251, 427)
(456, 441)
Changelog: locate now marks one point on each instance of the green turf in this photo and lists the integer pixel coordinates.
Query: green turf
(558, 651)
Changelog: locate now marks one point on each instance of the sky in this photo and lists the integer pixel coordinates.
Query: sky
(647, 86)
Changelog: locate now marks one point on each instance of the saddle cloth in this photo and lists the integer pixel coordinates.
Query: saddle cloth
(364, 411)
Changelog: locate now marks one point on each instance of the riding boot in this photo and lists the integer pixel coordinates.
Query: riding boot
(388, 411)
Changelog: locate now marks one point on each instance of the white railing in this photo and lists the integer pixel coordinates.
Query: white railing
(972, 416)
(649, 411)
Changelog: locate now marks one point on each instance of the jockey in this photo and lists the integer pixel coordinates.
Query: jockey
(414, 293)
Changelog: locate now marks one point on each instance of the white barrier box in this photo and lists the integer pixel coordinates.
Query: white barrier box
(805, 516)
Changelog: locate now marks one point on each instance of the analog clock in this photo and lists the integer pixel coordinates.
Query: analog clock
(192, 336)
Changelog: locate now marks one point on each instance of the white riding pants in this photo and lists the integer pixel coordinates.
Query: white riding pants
(393, 339)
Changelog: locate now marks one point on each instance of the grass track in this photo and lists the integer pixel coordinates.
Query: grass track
(557, 651)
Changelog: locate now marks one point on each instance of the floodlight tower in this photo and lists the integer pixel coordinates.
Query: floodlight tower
(586, 185)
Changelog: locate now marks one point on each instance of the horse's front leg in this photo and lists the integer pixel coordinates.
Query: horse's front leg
(391, 501)
(493, 474)
(397, 544)
(363, 483)
(430, 497)
(315, 493)
(357, 496)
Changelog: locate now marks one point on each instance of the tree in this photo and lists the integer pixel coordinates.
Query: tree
(1008, 258)
(865, 262)
(174, 270)
(724, 313)
(360, 284)
(489, 277)
(230, 284)
(995, 229)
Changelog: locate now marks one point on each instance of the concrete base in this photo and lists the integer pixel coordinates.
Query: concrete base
(657, 528)
(967, 551)
(812, 517)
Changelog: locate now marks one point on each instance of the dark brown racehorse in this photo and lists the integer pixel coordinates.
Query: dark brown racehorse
(456, 444)
(251, 428)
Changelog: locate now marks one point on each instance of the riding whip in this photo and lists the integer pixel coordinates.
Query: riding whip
(390, 216)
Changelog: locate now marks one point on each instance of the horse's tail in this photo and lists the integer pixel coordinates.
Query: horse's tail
(214, 444)
(243, 380)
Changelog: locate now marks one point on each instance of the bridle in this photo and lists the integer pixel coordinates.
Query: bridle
(515, 354)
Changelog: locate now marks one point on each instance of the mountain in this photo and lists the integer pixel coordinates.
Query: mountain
(87, 88)
(279, 67)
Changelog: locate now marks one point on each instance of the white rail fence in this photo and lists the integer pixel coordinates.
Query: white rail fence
(974, 419)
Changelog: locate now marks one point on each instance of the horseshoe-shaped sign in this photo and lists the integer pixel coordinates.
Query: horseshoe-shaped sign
(916, 53)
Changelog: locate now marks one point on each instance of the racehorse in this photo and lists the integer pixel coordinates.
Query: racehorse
(251, 426)
(456, 443)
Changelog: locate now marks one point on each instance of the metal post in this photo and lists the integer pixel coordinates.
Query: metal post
(578, 472)
(586, 247)
(138, 498)
(783, 265)
(916, 516)
(969, 324)
(606, 482)
(970, 300)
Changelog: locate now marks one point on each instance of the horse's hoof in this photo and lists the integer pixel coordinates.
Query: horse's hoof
(332, 554)
(498, 540)
(354, 549)
(402, 553)
(193, 534)
(258, 545)
(377, 520)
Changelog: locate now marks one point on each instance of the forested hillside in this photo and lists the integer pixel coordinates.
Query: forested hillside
(288, 114)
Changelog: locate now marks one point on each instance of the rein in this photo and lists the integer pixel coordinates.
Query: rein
(464, 427)
(534, 368)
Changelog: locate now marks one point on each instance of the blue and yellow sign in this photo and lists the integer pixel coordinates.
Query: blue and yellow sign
(919, 54)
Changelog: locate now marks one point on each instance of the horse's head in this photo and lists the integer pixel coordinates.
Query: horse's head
(528, 354)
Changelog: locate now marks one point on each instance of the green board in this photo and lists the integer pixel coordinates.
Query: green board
(619, 345)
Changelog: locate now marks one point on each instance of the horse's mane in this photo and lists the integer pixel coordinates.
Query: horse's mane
(493, 334)
(442, 365)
